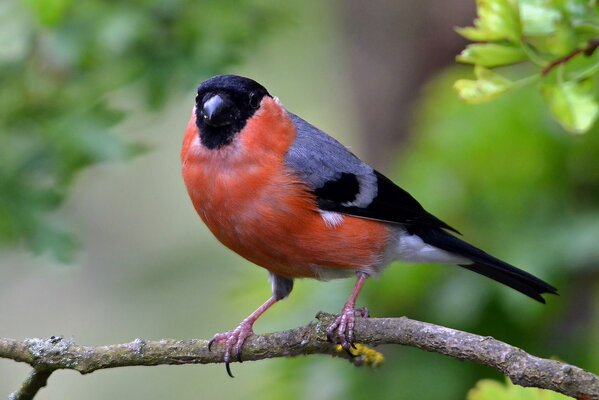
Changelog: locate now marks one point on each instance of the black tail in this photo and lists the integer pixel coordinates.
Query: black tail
(487, 265)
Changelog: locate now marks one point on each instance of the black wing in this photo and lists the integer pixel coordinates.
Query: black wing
(391, 203)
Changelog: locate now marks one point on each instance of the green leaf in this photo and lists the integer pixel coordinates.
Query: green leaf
(573, 104)
(561, 42)
(491, 54)
(488, 389)
(497, 20)
(487, 86)
(539, 17)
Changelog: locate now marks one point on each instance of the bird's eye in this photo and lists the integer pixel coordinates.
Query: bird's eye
(254, 103)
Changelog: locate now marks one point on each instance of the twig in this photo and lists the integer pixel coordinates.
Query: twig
(522, 368)
(588, 51)
(35, 381)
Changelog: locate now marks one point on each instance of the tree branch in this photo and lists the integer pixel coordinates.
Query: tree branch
(36, 380)
(522, 368)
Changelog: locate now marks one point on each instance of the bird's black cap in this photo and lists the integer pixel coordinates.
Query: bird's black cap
(223, 105)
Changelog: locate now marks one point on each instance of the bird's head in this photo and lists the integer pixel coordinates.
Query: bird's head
(223, 106)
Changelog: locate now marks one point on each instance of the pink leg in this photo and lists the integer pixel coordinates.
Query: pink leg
(234, 339)
(344, 324)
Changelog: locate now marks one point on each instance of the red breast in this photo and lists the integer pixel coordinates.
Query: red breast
(257, 207)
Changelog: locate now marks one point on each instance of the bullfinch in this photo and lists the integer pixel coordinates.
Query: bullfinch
(289, 198)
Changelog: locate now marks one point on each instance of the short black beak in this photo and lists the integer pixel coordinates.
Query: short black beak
(216, 112)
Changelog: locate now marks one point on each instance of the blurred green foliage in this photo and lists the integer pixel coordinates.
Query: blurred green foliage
(558, 37)
(515, 185)
(61, 62)
(518, 187)
(493, 390)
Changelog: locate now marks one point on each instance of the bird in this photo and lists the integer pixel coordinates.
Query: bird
(289, 198)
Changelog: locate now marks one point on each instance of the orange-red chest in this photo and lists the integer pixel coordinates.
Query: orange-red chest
(254, 205)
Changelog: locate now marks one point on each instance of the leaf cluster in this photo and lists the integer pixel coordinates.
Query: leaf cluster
(557, 38)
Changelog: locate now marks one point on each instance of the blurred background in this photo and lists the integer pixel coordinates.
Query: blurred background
(100, 242)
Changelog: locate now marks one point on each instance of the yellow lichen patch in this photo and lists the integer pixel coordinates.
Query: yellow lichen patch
(364, 355)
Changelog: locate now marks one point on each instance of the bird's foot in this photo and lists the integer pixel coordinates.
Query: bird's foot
(233, 341)
(343, 327)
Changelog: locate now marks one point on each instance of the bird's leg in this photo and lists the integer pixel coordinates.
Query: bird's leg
(234, 339)
(344, 324)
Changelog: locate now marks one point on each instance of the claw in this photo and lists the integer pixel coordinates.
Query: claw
(349, 353)
(228, 368)
(343, 327)
(344, 324)
(331, 332)
(234, 340)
